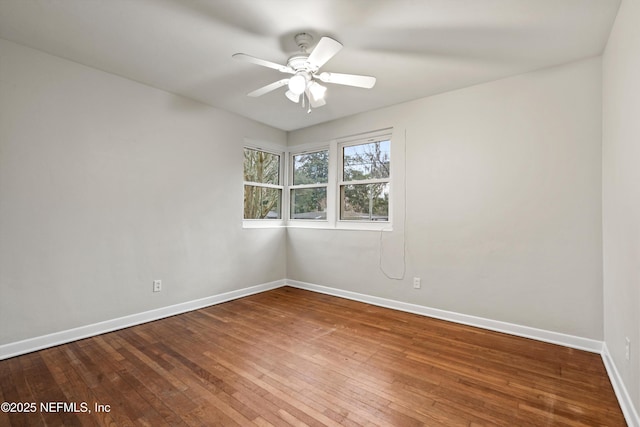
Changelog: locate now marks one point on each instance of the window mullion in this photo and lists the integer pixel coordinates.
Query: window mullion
(263, 184)
(293, 187)
(365, 181)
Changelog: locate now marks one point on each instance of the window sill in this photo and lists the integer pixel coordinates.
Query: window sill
(366, 226)
(316, 225)
(260, 223)
(324, 225)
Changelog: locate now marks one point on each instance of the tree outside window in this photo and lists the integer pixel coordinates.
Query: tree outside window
(262, 185)
(365, 183)
(309, 185)
(359, 191)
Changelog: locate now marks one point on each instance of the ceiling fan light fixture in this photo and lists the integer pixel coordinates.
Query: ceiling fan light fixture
(292, 96)
(297, 84)
(317, 91)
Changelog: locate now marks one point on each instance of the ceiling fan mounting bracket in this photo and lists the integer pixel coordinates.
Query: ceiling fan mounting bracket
(303, 40)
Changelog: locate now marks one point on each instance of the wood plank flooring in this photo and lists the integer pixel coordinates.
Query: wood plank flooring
(293, 357)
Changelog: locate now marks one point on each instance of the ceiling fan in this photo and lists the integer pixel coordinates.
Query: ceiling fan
(304, 84)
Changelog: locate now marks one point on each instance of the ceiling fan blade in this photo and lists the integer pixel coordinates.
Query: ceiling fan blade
(366, 82)
(324, 51)
(268, 88)
(263, 62)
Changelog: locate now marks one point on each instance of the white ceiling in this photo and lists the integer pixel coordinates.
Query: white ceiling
(414, 48)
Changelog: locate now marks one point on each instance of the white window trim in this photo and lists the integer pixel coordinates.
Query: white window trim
(333, 221)
(363, 138)
(308, 223)
(333, 185)
(284, 201)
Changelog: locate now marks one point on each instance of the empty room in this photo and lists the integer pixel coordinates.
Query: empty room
(322, 212)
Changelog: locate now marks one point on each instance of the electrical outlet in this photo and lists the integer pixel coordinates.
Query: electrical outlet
(417, 283)
(157, 285)
(627, 348)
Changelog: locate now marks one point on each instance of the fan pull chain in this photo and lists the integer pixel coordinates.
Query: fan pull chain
(308, 104)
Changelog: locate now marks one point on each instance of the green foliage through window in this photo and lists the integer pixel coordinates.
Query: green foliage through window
(359, 190)
(308, 196)
(309, 203)
(311, 168)
(364, 202)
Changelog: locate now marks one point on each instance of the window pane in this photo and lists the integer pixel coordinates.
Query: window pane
(261, 202)
(311, 168)
(309, 203)
(262, 167)
(366, 161)
(364, 202)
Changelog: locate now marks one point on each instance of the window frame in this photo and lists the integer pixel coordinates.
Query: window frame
(335, 179)
(333, 221)
(282, 155)
(361, 139)
(292, 187)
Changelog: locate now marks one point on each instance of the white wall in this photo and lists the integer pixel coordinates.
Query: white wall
(621, 194)
(503, 216)
(107, 184)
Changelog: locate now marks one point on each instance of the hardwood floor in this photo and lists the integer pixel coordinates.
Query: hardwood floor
(293, 357)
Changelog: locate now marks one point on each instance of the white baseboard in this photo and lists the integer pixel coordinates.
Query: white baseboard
(579, 343)
(57, 338)
(626, 404)
(594, 346)
(62, 337)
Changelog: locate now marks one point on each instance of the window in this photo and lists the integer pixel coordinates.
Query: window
(365, 180)
(308, 189)
(345, 183)
(262, 184)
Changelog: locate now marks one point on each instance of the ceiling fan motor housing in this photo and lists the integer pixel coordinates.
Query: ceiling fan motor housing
(299, 62)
